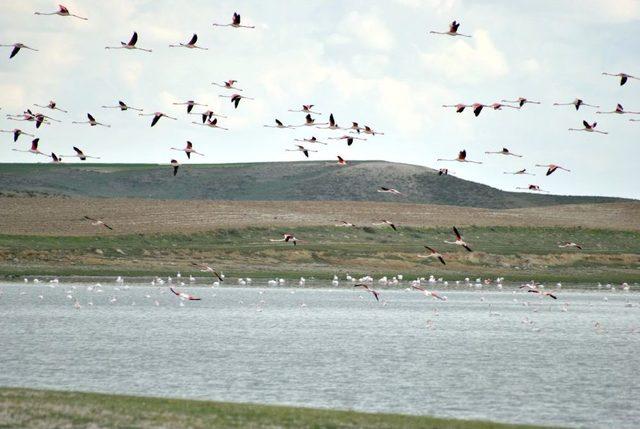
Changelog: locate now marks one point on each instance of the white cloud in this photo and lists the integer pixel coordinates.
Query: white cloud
(369, 30)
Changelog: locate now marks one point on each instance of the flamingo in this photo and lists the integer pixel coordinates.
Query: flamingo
(444, 172)
(368, 130)
(92, 122)
(130, 45)
(570, 244)
(55, 159)
(29, 116)
(345, 223)
(349, 139)
(81, 155)
(453, 30)
(551, 168)
(98, 222)
(341, 161)
(209, 114)
(590, 128)
(459, 107)
(183, 295)
(386, 222)
(62, 11)
(302, 149)
(333, 125)
(355, 127)
(623, 77)
(188, 150)
(191, 44)
(16, 48)
(16, 133)
(429, 293)
(390, 191)
(462, 157)
(459, 241)
(287, 238)
(34, 148)
(235, 23)
(521, 101)
(519, 172)
(175, 164)
(312, 139)
(477, 108)
(620, 111)
(306, 108)
(543, 293)
(51, 105)
(534, 188)
(499, 106)
(505, 151)
(157, 116)
(235, 98)
(278, 124)
(207, 269)
(122, 106)
(190, 104)
(434, 254)
(211, 123)
(229, 84)
(375, 293)
(576, 103)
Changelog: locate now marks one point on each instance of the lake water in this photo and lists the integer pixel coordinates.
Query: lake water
(502, 355)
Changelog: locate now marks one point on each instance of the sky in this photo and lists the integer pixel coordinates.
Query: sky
(372, 62)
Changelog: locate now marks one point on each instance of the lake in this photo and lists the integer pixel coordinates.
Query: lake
(502, 355)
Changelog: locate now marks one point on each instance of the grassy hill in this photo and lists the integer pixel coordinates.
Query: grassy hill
(267, 181)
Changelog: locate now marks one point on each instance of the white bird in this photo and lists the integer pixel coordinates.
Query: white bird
(34, 148)
(235, 99)
(92, 122)
(184, 295)
(433, 254)
(389, 191)
(188, 150)
(620, 111)
(349, 139)
(521, 101)
(209, 114)
(51, 105)
(300, 148)
(207, 269)
(459, 107)
(62, 11)
(551, 168)
(191, 44)
(312, 139)
(157, 116)
(590, 128)
(306, 108)
(211, 123)
(81, 155)
(229, 84)
(623, 77)
(459, 241)
(332, 125)
(462, 157)
(576, 103)
(534, 188)
(97, 222)
(519, 172)
(122, 106)
(286, 238)
(428, 292)
(504, 151)
(309, 122)
(16, 48)
(453, 30)
(175, 164)
(16, 133)
(190, 104)
(235, 23)
(366, 287)
(129, 45)
(368, 130)
(278, 124)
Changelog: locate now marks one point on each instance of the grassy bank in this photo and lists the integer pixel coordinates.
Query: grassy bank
(518, 253)
(27, 408)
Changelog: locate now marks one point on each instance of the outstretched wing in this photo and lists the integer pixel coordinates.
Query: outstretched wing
(193, 40)
(134, 39)
(15, 50)
(457, 233)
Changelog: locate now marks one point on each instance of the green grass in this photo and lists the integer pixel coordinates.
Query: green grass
(514, 252)
(26, 408)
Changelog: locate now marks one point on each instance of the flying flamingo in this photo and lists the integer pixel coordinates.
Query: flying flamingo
(235, 23)
(92, 122)
(570, 244)
(521, 101)
(505, 151)
(207, 269)
(459, 107)
(211, 123)
(375, 293)
(29, 116)
(462, 157)
(130, 45)
(17, 47)
(477, 108)
(534, 188)
(81, 155)
(333, 125)
(190, 104)
(576, 103)
(620, 111)
(312, 139)
(278, 124)
(122, 106)
(308, 122)
(235, 98)
(191, 44)
(341, 160)
(433, 254)
(519, 172)
(175, 164)
(623, 77)
(209, 115)
(287, 238)
(97, 222)
(429, 293)
(386, 222)
(344, 223)
(229, 84)
(183, 295)
(499, 106)
(306, 108)
(355, 127)
(62, 11)
(55, 159)
(590, 128)
(34, 148)
(551, 168)
(156, 117)
(453, 30)
(390, 191)
(51, 105)
(349, 139)
(16, 133)
(368, 130)
(543, 293)
(302, 149)
(188, 150)
(459, 241)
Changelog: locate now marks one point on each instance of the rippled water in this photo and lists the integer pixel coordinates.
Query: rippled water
(487, 354)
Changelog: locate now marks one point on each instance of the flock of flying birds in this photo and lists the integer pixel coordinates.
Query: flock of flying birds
(349, 134)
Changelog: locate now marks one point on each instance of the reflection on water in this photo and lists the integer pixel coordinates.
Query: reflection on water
(501, 355)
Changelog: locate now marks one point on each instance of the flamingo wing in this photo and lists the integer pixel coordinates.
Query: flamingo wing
(134, 39)
(193, 40)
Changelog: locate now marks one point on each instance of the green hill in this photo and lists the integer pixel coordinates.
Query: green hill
(267, 181)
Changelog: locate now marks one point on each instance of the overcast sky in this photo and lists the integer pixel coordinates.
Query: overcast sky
(367, 61)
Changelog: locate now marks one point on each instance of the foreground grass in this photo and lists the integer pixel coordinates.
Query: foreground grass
(26, 408)
(518, 253)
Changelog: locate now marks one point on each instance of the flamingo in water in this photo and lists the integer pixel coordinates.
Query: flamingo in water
(453, 30)
(62, 11)
(34, 148)
(16, 48)
(373, 292)
(590, 128)
(183, 295)
(188, 150)
(623, 77)
(129, 45)
(157, 116)
(191, 44)
(462, 157)
(459, 241)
